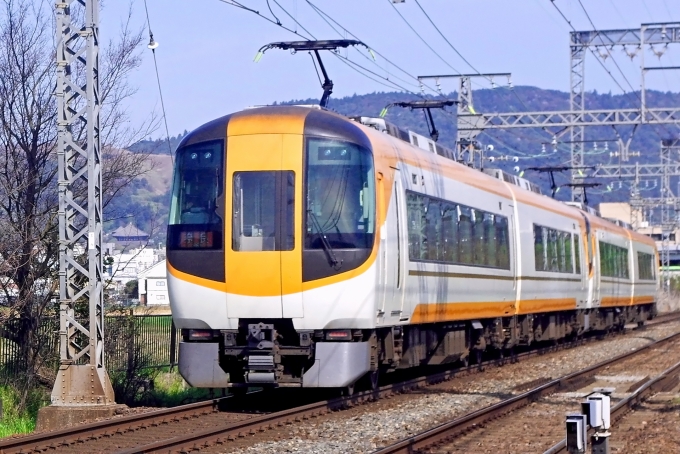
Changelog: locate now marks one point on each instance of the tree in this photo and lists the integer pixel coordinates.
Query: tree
(28, 167)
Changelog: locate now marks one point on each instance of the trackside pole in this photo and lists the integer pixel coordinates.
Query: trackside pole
(82, 389)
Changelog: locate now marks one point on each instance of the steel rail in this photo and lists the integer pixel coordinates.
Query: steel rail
(662, 382)
(448, 430)
(81, 433)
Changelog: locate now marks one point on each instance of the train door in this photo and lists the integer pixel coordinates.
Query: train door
(394, 252)
(265, 188)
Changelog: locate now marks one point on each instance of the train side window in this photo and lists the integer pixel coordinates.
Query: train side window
(577, 254)
(491, 246)
(450, 236)
(478, 238)
(568, 255)
(444, 232)
(502, 238)
(466, 239)
(433, 221)
(561, 252)
(539, 248)
(614, 261)
(416, 212)
(645, 266)
(552, 251)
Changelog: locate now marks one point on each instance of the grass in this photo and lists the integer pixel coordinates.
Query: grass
(171, 390)
(13, 420)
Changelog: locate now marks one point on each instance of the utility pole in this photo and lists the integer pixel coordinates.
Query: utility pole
(465, 139)
(82, 379)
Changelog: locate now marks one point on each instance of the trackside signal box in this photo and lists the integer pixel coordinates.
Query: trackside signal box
(577, 432)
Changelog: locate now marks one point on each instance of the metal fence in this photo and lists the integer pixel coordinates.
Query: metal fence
(132, 341)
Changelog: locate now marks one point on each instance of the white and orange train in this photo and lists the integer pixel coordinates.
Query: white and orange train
(307, 249)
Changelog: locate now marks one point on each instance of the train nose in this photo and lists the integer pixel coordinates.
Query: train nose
(263, 250)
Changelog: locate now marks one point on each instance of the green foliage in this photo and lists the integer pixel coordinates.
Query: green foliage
(170, 390)
(132, 289)
(17, 421)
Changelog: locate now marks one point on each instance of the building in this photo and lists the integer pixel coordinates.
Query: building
(127, 265)
(153, 285)
(130, 235)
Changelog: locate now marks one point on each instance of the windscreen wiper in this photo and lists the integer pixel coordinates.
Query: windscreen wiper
(324, 242)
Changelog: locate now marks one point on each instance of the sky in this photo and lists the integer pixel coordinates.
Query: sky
(207, 47)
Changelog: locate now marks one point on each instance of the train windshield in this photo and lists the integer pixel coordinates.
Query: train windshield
(339, 196)
(194, 221)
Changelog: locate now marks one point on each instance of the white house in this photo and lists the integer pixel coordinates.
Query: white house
(128, 264)
(153, 285)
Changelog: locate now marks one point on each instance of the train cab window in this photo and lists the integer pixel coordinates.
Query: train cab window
(263, 211)
(195, 220)
(339, 196)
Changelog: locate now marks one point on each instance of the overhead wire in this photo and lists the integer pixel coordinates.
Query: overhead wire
(353, 65)
(420, 37)
(326, 17)
(461, 55)
(158, 81)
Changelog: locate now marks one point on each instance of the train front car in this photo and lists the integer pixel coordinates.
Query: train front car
(271, 248)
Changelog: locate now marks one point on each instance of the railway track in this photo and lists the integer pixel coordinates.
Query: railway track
(195, 426)
(534, 420)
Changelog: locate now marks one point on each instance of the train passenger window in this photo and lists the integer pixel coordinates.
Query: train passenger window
(433, 221)
(568, 256)
(339, 195)
(416, 210)
(443, 232)
(263, 211)
(613, 261)
(553, 250)
(450, 238)
(645, 266)
(502, 239)
(490, 240)
(478, 238)
(540, 248)
(466, 237)
(195, 220)
(577, 253)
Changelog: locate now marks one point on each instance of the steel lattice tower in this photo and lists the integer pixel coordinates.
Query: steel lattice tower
(82, 377)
